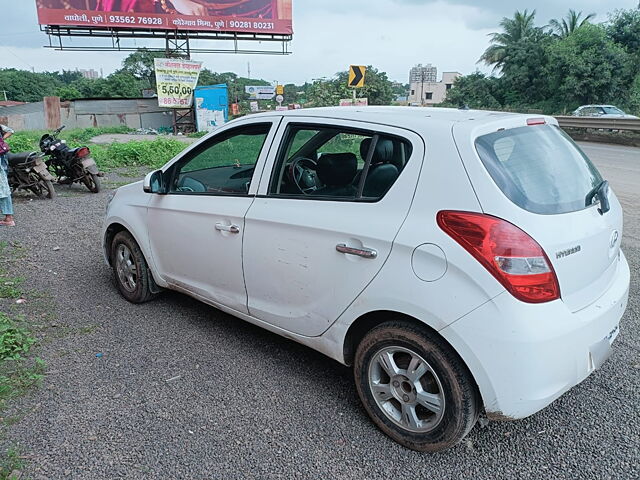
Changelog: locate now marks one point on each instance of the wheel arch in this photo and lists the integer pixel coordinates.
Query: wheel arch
(368, 321)
(109, 234)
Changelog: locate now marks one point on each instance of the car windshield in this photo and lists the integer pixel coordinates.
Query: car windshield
(539, 168)
(612, 111)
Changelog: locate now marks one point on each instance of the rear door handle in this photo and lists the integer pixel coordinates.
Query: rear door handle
(227, 228)
(359, 252)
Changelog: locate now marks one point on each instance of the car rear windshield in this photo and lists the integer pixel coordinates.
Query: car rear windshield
(539, 168)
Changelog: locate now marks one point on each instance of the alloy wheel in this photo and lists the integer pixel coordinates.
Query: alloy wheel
(126, 268)
(406, 389)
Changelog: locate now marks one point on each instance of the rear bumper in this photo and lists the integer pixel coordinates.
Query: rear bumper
(524, 357)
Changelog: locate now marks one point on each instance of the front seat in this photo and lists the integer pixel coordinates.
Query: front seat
(382, 172)
(336, 171)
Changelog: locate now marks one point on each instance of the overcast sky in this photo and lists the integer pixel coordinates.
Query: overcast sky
(392, 35)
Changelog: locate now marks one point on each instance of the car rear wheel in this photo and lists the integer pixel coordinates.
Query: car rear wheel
(131, 272)
(415, 387)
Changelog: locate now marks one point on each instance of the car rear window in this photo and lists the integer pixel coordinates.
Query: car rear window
(539, 168)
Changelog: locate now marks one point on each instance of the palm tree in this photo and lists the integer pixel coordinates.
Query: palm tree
(515, 29)
(570, 23)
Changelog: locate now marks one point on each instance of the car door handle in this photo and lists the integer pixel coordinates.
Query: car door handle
(227, 228)
(359, 252)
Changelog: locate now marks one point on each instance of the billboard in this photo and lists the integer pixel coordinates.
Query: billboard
(260, 92)
(243, 16)
(176, 79)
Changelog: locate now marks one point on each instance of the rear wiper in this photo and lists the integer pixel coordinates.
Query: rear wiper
(602, 192)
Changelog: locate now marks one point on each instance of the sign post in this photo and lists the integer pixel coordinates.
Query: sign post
(356, 76)
(356, 80)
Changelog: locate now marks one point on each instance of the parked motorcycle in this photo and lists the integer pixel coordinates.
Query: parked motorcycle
(70, 165)
(27, 171)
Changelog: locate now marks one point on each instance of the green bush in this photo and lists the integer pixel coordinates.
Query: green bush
(27, 141)
(198, 134)
(138, 153)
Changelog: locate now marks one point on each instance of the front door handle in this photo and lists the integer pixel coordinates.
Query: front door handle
(359, 252)
(227, 228)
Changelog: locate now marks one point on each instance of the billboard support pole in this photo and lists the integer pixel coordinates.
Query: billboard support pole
(184, 120)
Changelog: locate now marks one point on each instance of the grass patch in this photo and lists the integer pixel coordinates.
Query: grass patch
(10, 463)
(137, 153)
(28, 141)
(10, 288)
(18, 372)
(15, 341)
(198, 134)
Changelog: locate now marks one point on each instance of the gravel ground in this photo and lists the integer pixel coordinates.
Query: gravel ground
(183, 391)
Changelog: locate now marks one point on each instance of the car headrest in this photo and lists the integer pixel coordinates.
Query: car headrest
(383, 152)
(337, 169)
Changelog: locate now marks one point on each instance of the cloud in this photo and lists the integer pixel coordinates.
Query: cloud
(392, 35)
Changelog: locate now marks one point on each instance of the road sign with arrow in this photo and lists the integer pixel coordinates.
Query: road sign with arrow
(356, 76)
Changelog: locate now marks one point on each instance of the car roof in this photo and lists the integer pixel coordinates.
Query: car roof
(406, 117)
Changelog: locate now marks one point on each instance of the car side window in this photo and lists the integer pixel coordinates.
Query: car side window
(338, 163)
(222, 166)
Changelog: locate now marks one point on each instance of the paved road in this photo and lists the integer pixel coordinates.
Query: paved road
(186, 392)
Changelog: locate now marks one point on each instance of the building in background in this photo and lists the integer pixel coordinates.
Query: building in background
(91, 74)
(423, 93)
(426, 73)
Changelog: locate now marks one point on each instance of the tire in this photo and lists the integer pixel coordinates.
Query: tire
(42, 188)
(49, 188)
(438, 378)
(92, 182)
(130, 269)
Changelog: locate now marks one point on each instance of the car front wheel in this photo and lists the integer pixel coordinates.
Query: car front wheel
(131, 272)
(415, 387)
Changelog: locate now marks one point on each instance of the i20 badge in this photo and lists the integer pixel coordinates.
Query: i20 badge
(568, 251)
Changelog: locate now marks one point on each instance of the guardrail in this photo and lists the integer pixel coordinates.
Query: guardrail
(630, 124)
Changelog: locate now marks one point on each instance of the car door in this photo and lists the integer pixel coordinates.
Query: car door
(308, 256)
(195, 230)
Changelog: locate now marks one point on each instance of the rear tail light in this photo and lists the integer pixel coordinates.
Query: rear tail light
(536, 121)
(83, 152)
(515, 259)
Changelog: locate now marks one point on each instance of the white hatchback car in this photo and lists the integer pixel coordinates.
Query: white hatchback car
(461, 261)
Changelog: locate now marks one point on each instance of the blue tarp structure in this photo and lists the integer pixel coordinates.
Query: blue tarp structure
(212, 106)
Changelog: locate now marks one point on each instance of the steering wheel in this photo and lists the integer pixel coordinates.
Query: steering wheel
(302, 173)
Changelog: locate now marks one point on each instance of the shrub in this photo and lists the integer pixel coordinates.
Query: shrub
(152, 154)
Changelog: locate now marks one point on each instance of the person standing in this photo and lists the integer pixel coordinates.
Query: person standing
(6, 204)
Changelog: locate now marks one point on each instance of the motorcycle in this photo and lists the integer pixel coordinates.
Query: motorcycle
(70, 165)
(27, 171)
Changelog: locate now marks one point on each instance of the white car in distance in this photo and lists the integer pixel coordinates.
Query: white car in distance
(602, 111)
(461, 261)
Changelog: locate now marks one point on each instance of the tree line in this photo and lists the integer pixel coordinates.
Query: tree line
(137, 73)
(557, 67)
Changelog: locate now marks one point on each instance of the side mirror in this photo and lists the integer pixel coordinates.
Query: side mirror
(154, 182)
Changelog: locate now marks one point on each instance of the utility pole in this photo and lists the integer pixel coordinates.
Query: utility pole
(422, 73)
(249, 70)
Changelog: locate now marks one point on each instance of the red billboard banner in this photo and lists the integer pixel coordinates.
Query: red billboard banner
(244, 16)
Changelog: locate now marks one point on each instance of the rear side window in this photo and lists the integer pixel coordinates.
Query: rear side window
(539, 168)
